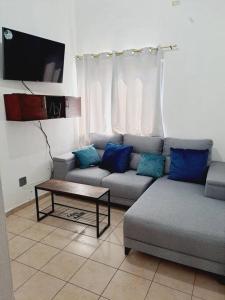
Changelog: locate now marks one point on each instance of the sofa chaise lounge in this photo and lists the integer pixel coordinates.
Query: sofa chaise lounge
(178, 221)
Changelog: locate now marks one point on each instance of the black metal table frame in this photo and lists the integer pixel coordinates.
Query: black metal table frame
(96, 200)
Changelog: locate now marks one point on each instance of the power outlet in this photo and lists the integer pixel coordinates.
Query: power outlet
(22, 181)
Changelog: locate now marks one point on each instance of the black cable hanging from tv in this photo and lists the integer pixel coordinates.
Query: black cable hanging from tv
(42, 130)
(26, 86)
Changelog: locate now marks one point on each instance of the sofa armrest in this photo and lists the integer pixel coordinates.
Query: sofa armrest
(215, 181)
(63, 164)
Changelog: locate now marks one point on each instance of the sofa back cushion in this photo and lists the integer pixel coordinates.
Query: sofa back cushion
(87, 157)
(100, 140)
(142, 144)
(116, 158)
(203, 144)
(188, 165)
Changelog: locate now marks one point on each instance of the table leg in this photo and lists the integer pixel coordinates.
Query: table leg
(52, 198)
(37, 204)
(97, 218)
(108, 208)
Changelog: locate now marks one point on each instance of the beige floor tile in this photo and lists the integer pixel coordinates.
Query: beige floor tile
(93, 276)
(116, 218)
(73, 226)
(10, 235)
(175, 276)
(116, 236)
(120, 224)
(38, 255)
(160, 292)
(52, 221)
(44, 203)
(59, 238)
(71, 292)
(38, 231)
(19, 245)
(92, 207)
(83, 245)
(64, 265)
(28, 212)
(20, 274)
(208, 288)
(40, 287)
(140, 264)
(93, 241)
(126, 286)
(17, 224)
(91, 231)
(109, 254)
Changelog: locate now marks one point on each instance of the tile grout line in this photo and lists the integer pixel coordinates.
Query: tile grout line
(86, 260)
(117, 269)
(195, 275)
(59, 251)
(152, 280)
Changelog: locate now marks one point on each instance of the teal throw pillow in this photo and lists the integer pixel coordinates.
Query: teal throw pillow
(87, 156)
(151, 165)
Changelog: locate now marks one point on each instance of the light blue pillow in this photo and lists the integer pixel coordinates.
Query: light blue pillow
(151, 165)
(87, 156)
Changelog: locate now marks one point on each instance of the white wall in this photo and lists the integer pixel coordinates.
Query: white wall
(194, 102)
(23, 151)
(6, 288)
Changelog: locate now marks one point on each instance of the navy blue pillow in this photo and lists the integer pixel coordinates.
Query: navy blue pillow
(188, 165)
(116, 158)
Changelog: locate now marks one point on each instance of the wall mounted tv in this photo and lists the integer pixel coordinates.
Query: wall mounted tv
(30, 58)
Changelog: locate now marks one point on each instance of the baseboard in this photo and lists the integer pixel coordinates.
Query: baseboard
(24, 205)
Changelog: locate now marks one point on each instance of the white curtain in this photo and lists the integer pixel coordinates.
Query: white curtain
(137, 93)
(94, 78)
(121, 93)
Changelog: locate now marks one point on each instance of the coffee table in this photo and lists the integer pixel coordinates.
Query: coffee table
(91, 218)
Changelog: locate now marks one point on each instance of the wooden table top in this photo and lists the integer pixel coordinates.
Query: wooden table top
(72, 188)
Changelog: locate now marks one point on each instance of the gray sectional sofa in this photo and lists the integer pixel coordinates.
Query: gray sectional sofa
(178, 221)
(125, 188)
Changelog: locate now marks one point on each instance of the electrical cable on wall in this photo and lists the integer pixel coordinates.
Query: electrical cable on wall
(42, 130)
(26, 86)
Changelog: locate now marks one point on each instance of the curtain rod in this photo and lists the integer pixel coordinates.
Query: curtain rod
(166, 47)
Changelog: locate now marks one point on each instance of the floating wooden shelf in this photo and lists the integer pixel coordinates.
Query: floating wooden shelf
(24, 107)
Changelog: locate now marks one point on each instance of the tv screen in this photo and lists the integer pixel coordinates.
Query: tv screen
(30, 58)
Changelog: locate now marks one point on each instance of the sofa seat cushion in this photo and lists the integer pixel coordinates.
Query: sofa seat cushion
(177, 216)
(92, 175)
(127, 185)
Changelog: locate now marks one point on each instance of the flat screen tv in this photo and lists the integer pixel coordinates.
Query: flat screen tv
(30, 58)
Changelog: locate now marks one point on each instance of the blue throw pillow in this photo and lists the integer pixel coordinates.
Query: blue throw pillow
(116, 158)
(87, 156)
(151, 165)
(188, 165)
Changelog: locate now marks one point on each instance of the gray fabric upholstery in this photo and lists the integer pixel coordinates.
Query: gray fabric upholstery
(215, 181)
(143, 144)
(63, 164)
(100, 140)
(134, 160)
(185, 144)
(178, 257)
(119, 201)
(176, 216)
(92, 176)
(126, 185)
(100, 152)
